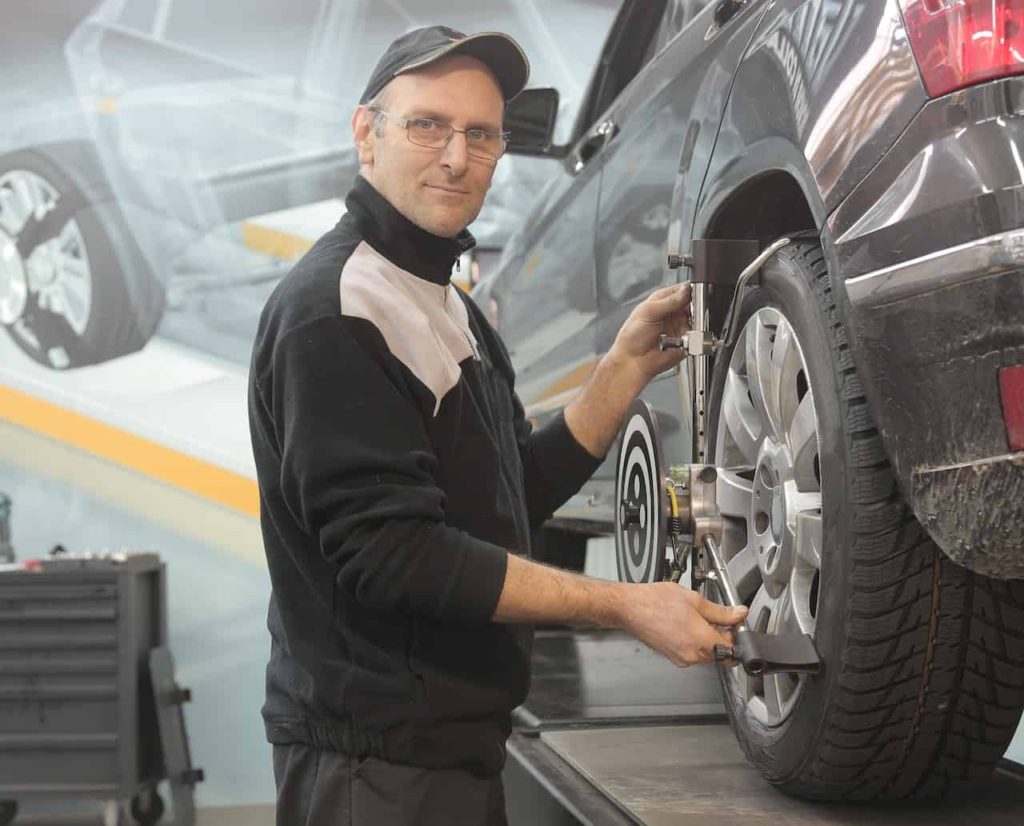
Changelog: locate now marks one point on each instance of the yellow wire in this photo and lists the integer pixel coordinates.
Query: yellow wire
(671, 488)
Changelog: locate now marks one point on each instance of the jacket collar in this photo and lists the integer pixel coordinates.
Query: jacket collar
(398, 239)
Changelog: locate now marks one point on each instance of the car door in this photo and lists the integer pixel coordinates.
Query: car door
(664, 124)
(543, 297)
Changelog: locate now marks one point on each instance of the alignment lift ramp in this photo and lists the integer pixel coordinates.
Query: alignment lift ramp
(614, 734)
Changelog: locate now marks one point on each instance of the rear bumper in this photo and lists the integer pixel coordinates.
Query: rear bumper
(931, 250)
(973, 512)
(931, 338)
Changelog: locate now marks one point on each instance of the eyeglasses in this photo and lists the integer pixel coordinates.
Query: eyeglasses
(435, 134)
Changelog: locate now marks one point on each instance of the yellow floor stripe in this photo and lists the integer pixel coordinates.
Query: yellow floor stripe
(274, 242)
(186, 472)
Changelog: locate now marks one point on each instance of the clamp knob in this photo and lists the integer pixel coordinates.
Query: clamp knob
(669, 343)
(629, 514)
(721, 653)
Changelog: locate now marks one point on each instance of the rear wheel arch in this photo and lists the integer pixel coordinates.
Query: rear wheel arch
(79, 160)
(766, 206)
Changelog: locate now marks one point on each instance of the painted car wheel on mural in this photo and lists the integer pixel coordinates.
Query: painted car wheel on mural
(74, 287)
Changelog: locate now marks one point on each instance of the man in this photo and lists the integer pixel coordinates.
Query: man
(400, 483)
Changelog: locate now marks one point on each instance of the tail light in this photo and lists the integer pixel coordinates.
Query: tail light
(958, 43)
(1011, 388)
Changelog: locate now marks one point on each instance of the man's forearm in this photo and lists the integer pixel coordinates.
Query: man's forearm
(674, 620)
(538, 593)
(595, 416)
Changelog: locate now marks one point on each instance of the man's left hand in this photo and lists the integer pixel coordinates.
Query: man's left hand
(595, 415)
(664, 312)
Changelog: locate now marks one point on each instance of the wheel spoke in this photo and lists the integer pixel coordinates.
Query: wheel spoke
(742, 421)
(758, 350)
(802, 440)
(734, 493)
(743, 570)
(787, 619)
(76, 301)
(14, 210)
(41, 229)
(73, 269)
(808, 538)
(761, 609)
(785, 364)
(772, 697)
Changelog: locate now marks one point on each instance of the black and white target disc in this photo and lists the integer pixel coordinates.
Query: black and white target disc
(641, 518)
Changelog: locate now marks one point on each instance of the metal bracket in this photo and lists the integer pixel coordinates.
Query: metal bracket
(758, 653)
(177, 758)
(761, 654)
(714, 262)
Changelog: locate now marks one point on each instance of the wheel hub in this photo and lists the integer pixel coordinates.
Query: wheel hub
(57, 272)
(13, 280)
(770, 516)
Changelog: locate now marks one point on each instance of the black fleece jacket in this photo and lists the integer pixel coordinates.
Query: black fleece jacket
(396, 472)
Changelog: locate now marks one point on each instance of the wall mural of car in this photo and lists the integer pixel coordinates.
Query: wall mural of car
(140, 135)
(867, 422)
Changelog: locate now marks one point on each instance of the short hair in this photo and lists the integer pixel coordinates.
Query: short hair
(376, 106)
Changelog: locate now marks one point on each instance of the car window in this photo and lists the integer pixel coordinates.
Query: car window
(631, 43)
(268, 36)
(677, 16)
(666, 31)
(683, 11)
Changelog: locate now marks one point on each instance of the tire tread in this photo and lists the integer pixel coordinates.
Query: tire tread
(931, 683)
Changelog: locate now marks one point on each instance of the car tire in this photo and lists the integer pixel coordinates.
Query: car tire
(922, 679)
(147, 808)
(85, 295)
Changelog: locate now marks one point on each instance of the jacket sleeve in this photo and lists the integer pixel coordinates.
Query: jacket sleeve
(357, 471)
(555, 465)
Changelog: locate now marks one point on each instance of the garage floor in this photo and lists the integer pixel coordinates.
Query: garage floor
(213, 816)
(217, 591)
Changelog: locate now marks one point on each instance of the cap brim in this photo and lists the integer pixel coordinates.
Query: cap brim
(499, 52)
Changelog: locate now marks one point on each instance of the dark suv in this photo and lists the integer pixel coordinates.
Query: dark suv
(868, 422)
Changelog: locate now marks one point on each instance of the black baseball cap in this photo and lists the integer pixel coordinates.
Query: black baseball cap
(421, 47)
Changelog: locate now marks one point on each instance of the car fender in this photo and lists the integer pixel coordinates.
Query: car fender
(823, 89)
(78, 159)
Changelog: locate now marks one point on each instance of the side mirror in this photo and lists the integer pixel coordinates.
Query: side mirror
(530, 119)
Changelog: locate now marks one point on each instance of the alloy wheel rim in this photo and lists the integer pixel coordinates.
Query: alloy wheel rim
(769, 493)
(13, 280)
(57, 271)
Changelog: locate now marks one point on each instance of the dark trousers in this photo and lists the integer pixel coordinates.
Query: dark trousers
(326, 788)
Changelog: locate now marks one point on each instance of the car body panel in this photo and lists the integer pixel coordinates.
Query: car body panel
(667, 133)
(842, 84)
(653, 172)
(932, 247)
(811, 116)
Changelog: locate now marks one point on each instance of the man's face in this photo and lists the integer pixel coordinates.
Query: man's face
(439, 190)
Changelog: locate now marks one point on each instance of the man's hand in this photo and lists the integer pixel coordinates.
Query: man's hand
(664, 312)
(596, 414)
(678, 622)
(671, 619)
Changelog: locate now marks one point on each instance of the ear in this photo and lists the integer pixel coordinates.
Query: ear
(363, 135)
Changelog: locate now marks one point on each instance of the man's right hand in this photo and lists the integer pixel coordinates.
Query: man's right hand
(671, 619)
(678, 622)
